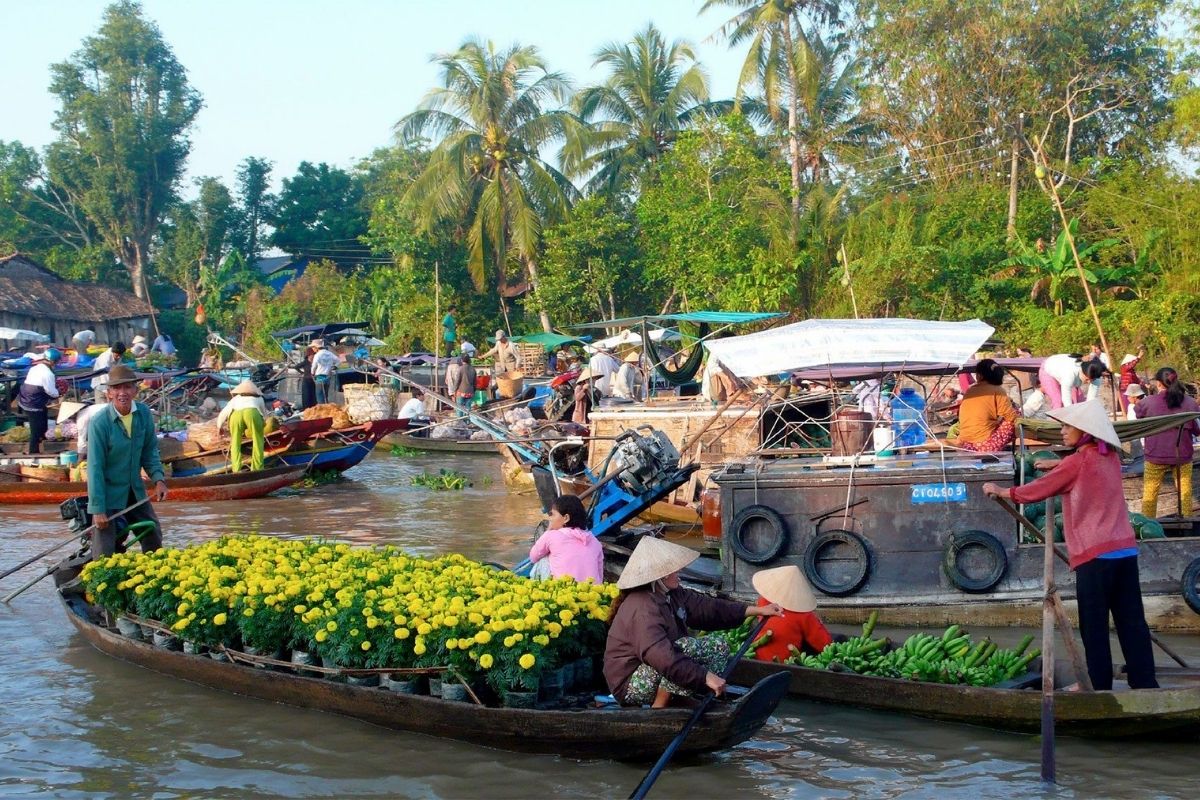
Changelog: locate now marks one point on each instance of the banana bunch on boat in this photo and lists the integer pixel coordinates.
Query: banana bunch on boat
(949, 658)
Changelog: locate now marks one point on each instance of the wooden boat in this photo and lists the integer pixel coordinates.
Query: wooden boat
(1169, 712)
(623, 734)
(239, 486)
(431, 445)
(672, 513)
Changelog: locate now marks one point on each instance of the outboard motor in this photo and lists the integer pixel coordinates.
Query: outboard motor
(641, 461)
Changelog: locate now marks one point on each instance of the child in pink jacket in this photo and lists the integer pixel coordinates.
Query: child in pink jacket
(568, 548)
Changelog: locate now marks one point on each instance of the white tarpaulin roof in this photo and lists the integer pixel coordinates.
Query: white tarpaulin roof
(16, 334)
(631, 336)
(833, 342)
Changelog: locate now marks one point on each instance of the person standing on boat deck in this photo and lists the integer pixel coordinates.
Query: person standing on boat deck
(35, 394)
(450, 328)
(464, 386)
(798, 625)
(121, 444)
(1063, 377)
(82, 340)
(103, 363)
(603, 366)
(139, 347)
(650, 653)
(986, 417)
(324, 362)
(245, 412)
(585, 397)
(1129, 376)
(504, 355)
(1101, 545)
(1168, 452)
(308, 386)
(627, 384)
(567, 548)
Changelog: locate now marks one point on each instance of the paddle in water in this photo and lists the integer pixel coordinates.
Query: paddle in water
(643, 788)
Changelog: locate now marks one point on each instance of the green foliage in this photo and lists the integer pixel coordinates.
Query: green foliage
(189, 338)
(320, 213)
(442, 480)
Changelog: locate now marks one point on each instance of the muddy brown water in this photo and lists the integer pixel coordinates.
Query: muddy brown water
(77, 724)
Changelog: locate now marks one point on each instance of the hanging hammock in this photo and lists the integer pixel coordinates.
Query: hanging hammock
(686, 373)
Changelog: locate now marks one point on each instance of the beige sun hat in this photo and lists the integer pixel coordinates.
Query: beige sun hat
(633, 357)
(1133, 390)
(584, 375)
(1089, 417)
(139, 339)
(785, 586)
(68, 409)
(653, 559)
(247, 387)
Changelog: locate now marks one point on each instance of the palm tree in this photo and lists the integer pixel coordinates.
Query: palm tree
(828, 90)
(773, 29)
(652, 90)
(489, 122)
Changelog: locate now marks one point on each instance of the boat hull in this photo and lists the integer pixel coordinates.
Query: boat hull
(427, 444)
(1172, 712)
(624, 734)
(241, 486)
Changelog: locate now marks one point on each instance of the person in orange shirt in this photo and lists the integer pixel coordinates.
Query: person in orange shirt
(986, 417)
(798, 625)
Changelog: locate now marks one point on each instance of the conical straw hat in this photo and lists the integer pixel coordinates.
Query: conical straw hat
(68, 409)
(247, 387)
(633, 357)
(584, 375)
(1089, 417)
(785, 586)
(653, 559)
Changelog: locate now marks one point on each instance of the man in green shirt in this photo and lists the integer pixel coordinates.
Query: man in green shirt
(450, 329)
(121, 443)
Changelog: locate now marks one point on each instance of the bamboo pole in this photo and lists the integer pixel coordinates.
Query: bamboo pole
(1048, 655)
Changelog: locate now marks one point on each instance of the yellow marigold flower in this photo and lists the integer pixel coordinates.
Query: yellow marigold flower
(542, 639)
(527, 661)
(401, 633)
(566, 616)
(372, 622)
(482, 637)
(452, 644)
(486, 661)
(181, 624)
(321, 636)
(424, 628)
(419, 649)
(331, 626)
(299, 609)
(366, 645)
(220, 619)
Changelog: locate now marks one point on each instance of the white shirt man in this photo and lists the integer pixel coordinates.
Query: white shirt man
(603, 367)
(40, 375)
(628, 382)
(103, 363)
(324, 362)
(414, 407)
(163, 344)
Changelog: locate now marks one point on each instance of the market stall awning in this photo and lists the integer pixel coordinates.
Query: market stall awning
(549, 341)
(20, 335)
(851, 342)
(1050, 431)
(710, 317)
(632, 337)
(318, 331)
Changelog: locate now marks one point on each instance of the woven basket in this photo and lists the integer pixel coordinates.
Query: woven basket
(510, 384)
(368, 401)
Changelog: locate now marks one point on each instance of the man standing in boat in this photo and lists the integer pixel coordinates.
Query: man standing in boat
(121, 443)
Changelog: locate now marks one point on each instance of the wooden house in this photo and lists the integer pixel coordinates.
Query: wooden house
(34, 298)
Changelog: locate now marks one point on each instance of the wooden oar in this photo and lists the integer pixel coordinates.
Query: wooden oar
(644, 787)
(1029, 526)
(1048, 653)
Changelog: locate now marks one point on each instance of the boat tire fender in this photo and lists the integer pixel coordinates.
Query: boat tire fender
(978, 584)
(766, 548)
(1191, 589)
(858, 571)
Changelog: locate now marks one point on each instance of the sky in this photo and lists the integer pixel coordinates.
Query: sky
(325, 81)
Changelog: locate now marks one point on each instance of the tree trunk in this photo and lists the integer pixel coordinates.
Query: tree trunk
(531, 265)
(793, 118)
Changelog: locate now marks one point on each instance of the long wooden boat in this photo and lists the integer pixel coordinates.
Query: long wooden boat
(342, 449)
(431, 445)
(622, 734)
(1169, 712)
(207, 488)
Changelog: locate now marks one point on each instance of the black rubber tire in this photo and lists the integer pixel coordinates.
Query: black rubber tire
(1191, 592)
(861, 555)
(959, 542)
(777, 535)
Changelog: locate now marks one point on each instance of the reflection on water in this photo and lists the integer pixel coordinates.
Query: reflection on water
(77, 724)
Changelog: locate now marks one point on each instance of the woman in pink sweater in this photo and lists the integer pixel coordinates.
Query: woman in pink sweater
(568, 547)
(1100, 542)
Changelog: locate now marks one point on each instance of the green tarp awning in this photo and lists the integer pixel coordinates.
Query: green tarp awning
(549, 341)
(1048, 430)
(711, 317)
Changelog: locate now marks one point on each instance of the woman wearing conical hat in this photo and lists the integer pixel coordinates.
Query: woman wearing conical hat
(798, 626)
(650, 653)
(1100, 542)
(246, 412)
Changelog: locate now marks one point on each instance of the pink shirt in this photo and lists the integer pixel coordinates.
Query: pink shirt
(572, 552)
(1095, 519)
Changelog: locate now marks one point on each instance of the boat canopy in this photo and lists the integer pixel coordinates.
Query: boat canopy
(548, 341)
(854, 372)
(1050, 431)
(710, 317)
(20, 335)
(901, 343)
(318, 331)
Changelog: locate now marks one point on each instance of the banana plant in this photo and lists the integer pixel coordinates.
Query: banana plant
(1132, 279)
(1054, 268)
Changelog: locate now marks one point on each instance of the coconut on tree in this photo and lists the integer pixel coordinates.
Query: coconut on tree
(489, 122)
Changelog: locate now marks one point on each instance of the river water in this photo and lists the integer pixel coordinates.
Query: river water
(77, 724)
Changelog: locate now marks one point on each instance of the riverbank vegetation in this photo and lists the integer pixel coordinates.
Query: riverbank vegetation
(880, 157)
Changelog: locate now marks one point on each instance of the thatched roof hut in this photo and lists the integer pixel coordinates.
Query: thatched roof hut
(34, 298)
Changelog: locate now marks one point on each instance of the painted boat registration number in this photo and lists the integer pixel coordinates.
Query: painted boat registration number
(939, 493)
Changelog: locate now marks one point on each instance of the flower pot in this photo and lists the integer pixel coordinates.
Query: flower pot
(551, 687)
(402, 683)
(254, 651)
(570, 676)
(129, 628)
(520, 699)
(306, 659)
(454, 691)
(147, 632)
(167, 641)
(328, 664)
(435, 686)
(363, 680)
(217, 655)
(193, 649)
(583, 673)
